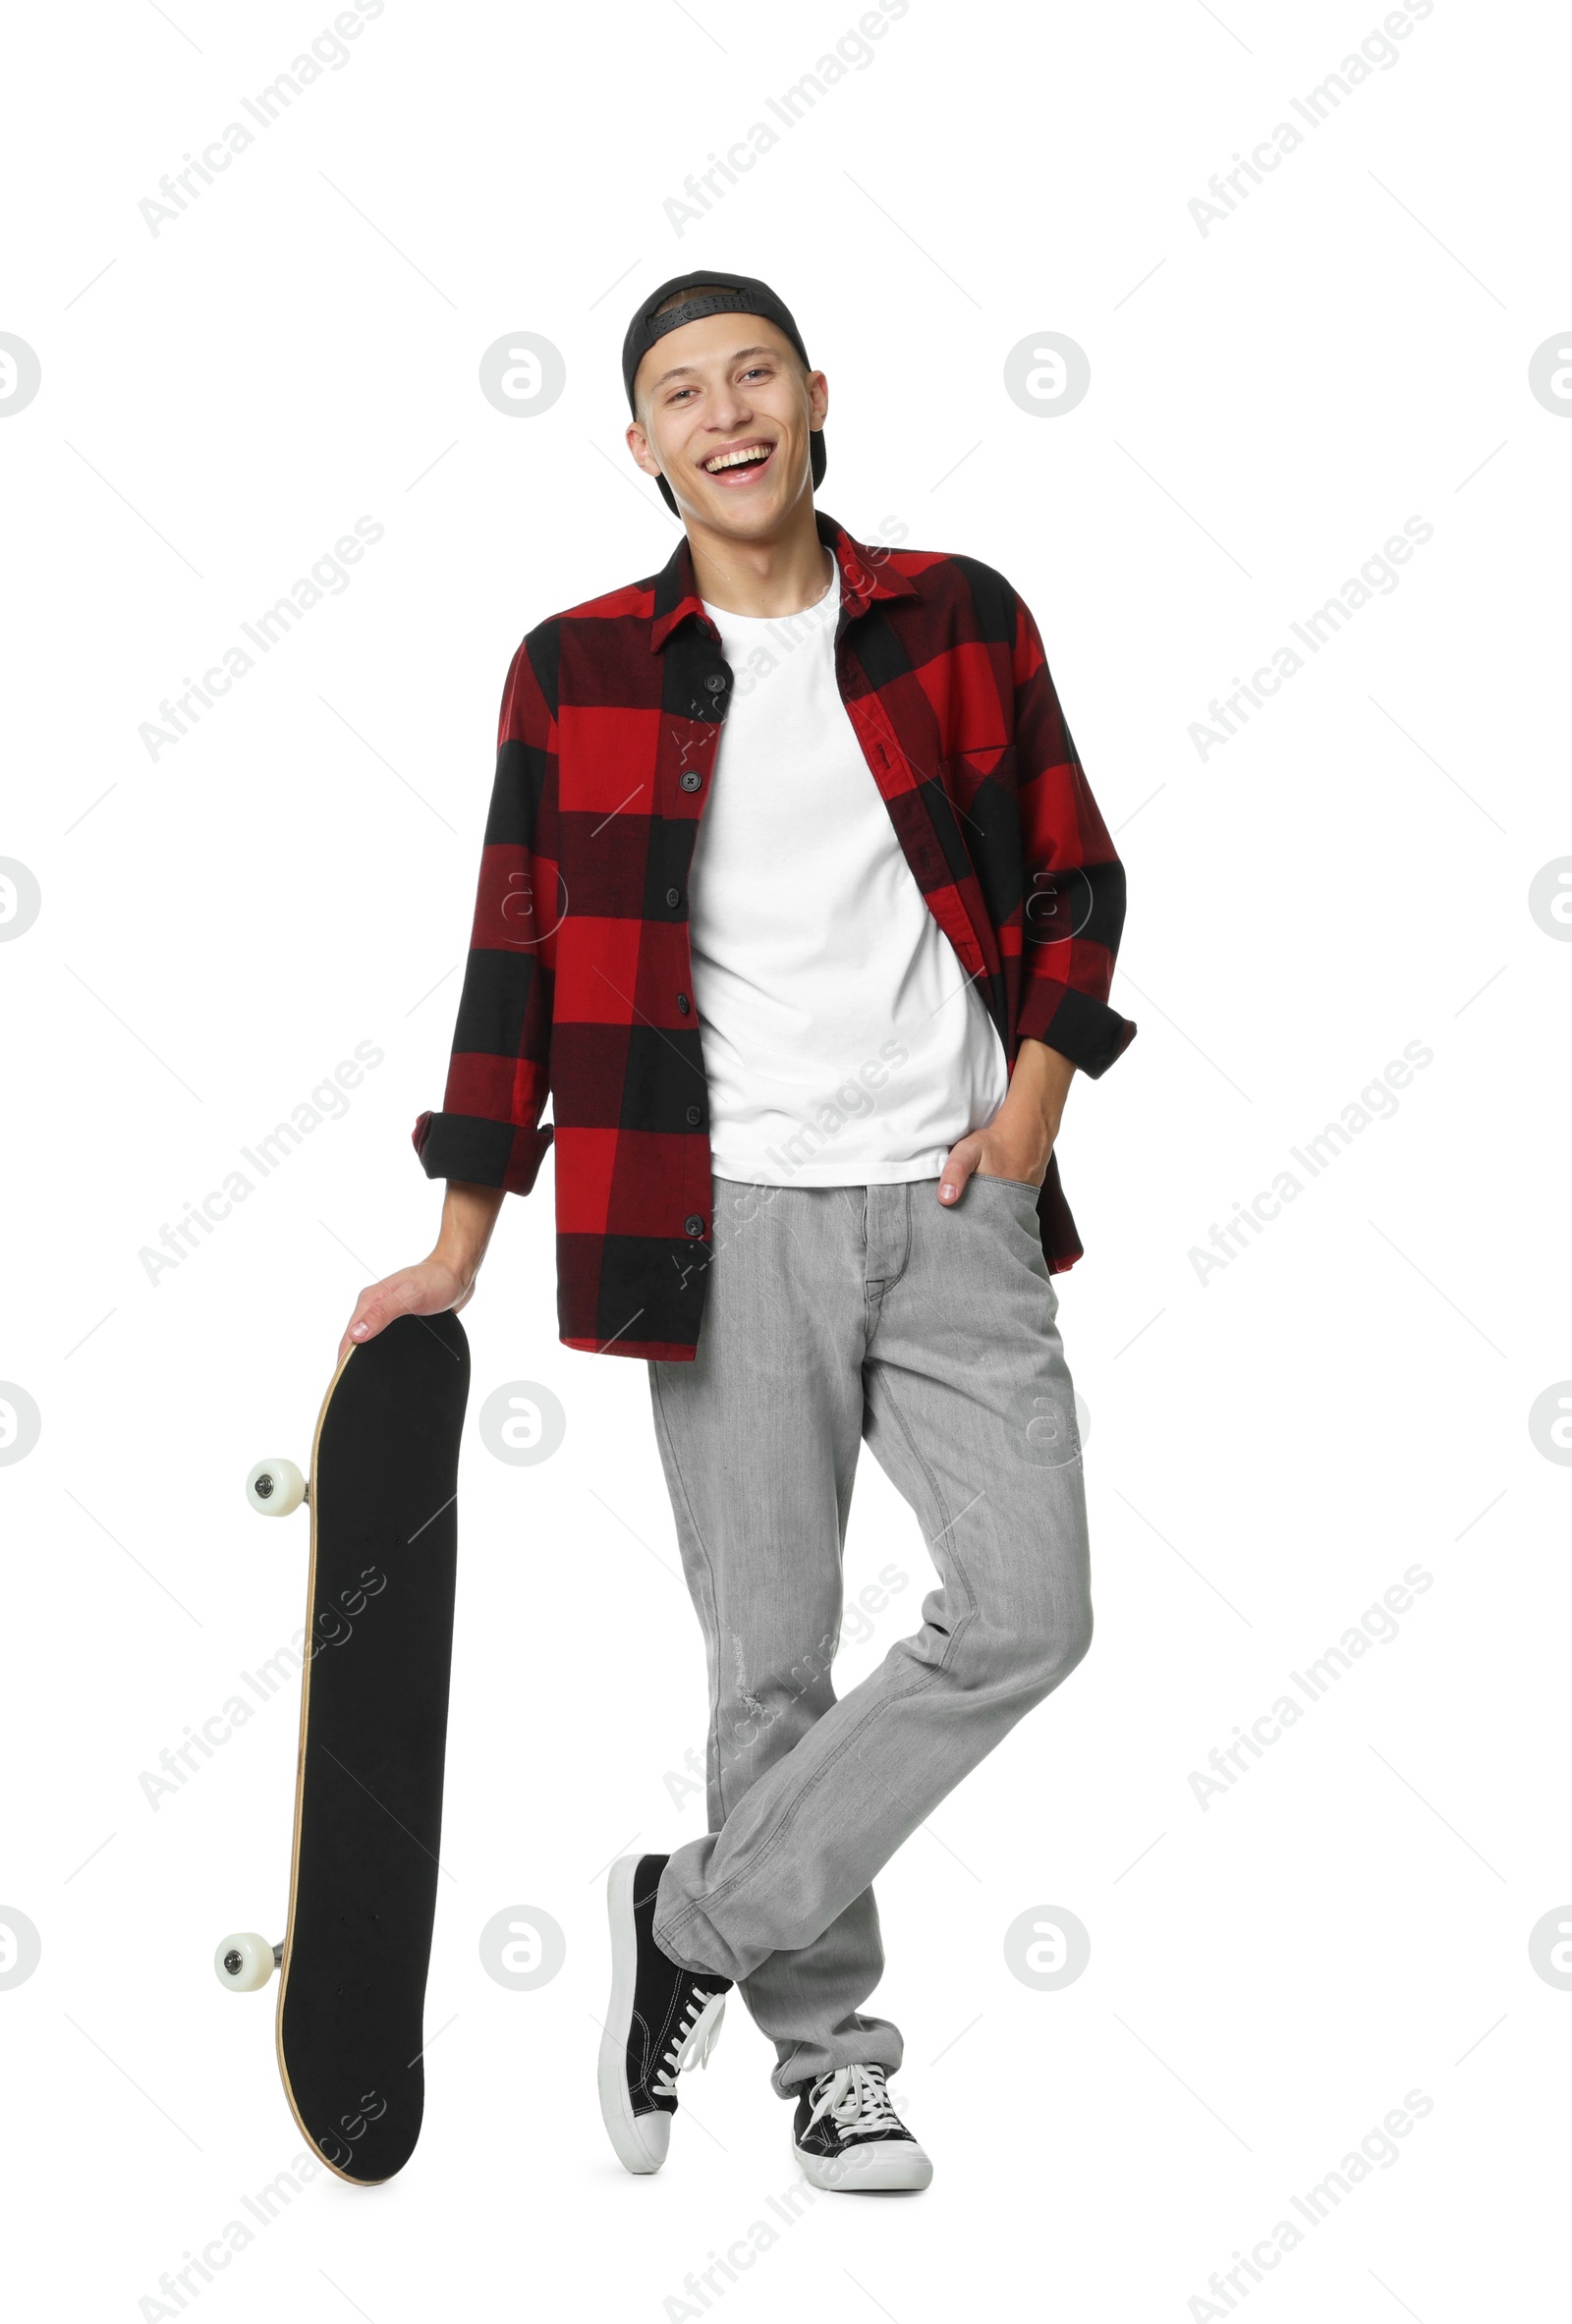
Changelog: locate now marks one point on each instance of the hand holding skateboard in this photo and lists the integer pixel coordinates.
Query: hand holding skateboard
(440, 1284)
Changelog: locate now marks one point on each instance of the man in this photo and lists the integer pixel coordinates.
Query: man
(796, 902)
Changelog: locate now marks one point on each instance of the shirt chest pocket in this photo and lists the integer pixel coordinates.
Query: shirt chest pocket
(967, 771)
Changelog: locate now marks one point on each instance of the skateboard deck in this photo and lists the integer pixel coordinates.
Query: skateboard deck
(373, 1728)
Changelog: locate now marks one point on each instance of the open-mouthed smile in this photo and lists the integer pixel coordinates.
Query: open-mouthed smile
(740, 464)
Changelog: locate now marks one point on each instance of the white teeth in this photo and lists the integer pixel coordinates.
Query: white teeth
(753, 451)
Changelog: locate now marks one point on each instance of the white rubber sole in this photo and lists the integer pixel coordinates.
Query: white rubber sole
(641, 2140)
(871, 2170)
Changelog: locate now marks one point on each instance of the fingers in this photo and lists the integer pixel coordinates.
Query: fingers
(359, 1326)
(961, 1162)
(376, 1308)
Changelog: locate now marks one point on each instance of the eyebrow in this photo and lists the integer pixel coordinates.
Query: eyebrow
(680, 370)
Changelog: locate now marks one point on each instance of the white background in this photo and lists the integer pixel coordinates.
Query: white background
(1269, 1449)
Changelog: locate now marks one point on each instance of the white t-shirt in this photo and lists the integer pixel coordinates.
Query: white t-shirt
(843, 1042)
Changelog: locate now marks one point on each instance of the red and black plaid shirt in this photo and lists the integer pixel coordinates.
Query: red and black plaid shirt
(579, 982)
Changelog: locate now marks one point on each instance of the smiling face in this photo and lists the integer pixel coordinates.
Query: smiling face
(726, 412)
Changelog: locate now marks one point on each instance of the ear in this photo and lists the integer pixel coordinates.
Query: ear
(637, 444)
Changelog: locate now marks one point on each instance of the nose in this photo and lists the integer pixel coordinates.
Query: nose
(731, 411)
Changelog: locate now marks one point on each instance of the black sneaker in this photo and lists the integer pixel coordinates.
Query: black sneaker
(848, 2137)
(663, 2018)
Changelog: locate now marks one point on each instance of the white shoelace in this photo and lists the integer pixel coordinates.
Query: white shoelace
(693, 2041)
(856, 2098)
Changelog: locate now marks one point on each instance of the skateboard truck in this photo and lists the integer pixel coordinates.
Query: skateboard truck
(244, 1962)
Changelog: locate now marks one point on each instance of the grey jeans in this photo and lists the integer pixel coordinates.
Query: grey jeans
(835, 1313)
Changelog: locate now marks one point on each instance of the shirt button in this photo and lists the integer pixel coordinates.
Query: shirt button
(695, 1113)
(716, 684)
(689, 781)
(694, 1226)
(673, 895)
(683, 1003)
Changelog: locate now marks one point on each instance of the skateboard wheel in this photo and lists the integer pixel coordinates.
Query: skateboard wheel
(244, 1963)
(275, 1487)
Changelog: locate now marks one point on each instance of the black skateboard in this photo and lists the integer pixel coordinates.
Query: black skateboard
(374, 1725)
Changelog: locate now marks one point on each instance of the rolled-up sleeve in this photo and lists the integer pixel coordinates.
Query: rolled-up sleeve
(499, 1074)
(1072, 910)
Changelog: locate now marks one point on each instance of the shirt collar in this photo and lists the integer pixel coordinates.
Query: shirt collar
(866, 574)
